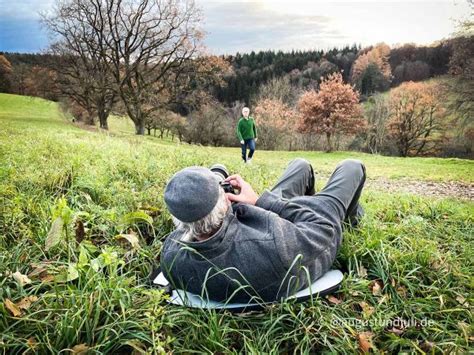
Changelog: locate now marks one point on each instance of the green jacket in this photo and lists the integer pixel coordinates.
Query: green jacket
(246, 128)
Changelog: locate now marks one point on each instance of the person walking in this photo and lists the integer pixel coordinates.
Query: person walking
(247, 134)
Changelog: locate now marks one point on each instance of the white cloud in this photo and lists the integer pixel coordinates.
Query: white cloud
(297, 24)
(24, 9)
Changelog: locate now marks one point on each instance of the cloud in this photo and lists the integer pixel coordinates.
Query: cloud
(244, 26)
(20, 30)
(24, 9)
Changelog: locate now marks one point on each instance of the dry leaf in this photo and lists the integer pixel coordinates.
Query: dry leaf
(334, 300)
(399, 326)
(31, 342)
(376, 287)
(26, 302)
(38, 268)
(426, 346)
(46, 278)
(436, 265)
(131, 238)
(80, 349)
(12, 308)
(462, 300)
(80, 231)
(138, 347)
(365, 341)
(362, 271)
(397, 331)
(54, 235)
(402, 291)
(40, 271)
(21, 279)
(366, 309)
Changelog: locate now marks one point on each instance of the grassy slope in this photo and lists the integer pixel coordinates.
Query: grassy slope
(419, 250)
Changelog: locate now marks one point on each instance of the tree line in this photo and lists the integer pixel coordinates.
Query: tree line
(408, 62)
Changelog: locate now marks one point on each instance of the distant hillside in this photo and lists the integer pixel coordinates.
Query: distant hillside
(407, 62)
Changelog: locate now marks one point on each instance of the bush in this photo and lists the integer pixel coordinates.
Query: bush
(210, 126)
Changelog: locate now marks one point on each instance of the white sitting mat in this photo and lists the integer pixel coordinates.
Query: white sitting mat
(322, 286)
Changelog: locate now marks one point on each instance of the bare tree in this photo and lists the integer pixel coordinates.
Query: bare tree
(377, 114)
(462, 83)
(149, 42)
(19, 77)
(81, 31)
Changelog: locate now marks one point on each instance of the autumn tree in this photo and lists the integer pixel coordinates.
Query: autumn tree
(333, 109)
(275, 121)
(42, 82)
(415, 117)
(371, 71)
(314, 73)
(5, 74)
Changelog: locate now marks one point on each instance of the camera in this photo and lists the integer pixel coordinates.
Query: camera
(221, 172)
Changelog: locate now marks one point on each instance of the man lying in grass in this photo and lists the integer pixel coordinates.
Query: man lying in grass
(241, 246)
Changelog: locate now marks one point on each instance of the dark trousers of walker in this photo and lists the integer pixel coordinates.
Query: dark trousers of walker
(250, 144)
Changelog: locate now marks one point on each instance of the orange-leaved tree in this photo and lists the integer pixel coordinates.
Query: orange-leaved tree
(333, 109)
(5, 74)
(416, 113)
(371, 71)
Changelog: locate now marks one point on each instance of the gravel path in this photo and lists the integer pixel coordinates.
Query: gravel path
(425, 188)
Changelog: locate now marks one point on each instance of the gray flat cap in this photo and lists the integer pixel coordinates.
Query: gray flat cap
(192, 193)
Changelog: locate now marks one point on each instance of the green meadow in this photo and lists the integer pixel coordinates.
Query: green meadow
(82, 221)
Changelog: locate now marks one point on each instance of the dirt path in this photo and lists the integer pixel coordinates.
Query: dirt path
(425, 188)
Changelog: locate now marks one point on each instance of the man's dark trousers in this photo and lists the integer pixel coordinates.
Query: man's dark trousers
(343, 188)
(250, 143)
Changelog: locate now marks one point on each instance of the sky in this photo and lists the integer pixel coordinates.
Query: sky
(242, 26)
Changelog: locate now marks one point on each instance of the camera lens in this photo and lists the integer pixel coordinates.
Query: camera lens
(220, 171)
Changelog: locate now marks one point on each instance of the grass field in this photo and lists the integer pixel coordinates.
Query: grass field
(69, 281)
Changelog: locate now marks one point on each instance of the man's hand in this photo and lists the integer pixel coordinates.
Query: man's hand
(256, 139)
(247, 194)
(242, 141)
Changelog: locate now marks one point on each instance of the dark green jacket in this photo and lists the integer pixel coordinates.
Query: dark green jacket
(246, 129)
